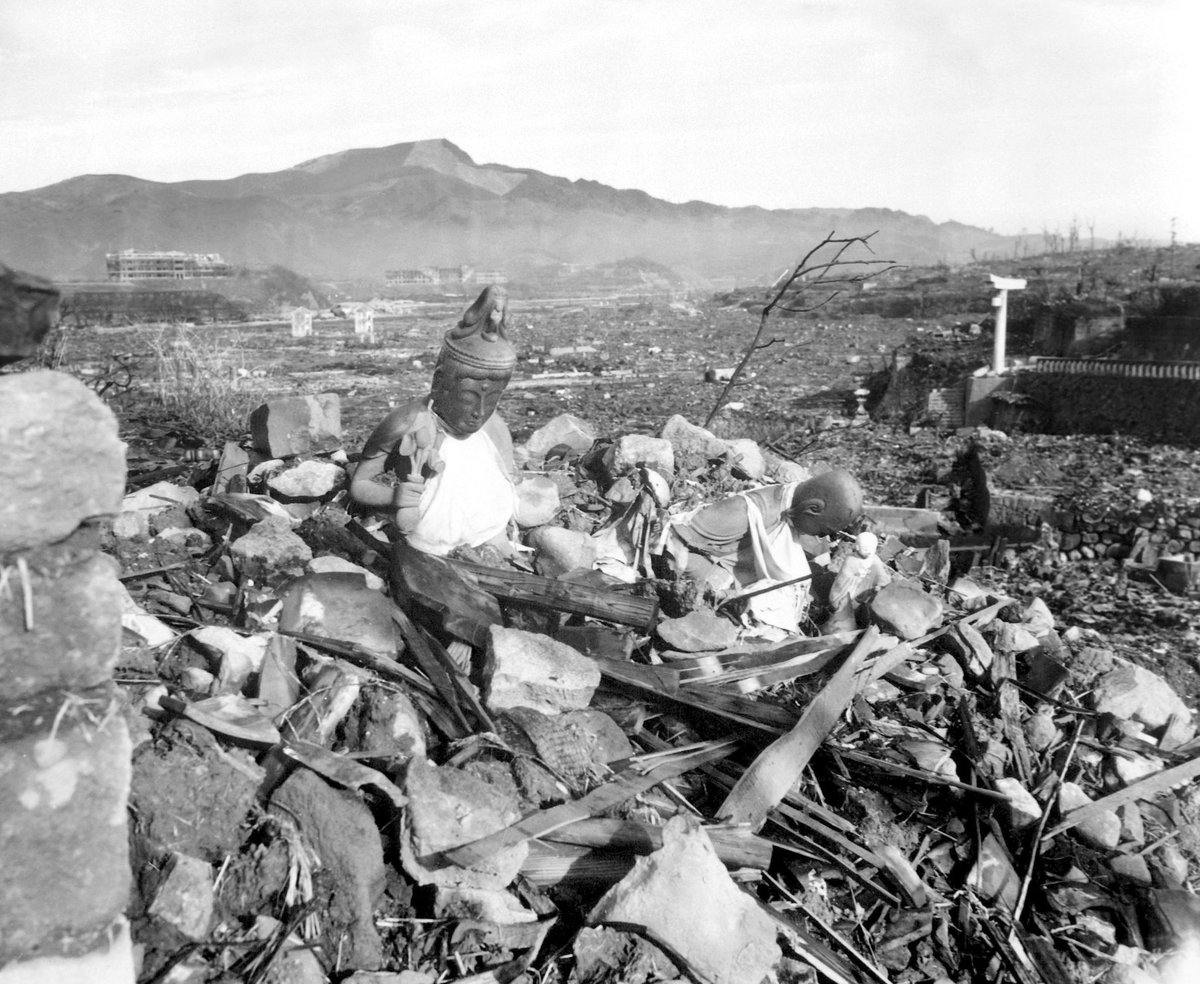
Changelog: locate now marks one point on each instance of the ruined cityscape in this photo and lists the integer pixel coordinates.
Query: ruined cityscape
(823, 609)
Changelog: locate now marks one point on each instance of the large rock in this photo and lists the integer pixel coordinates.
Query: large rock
(448, 807)
(343, 834)
(64, 782)
(560, 550)
(339, 606)
(1136, 694)
(270, 549)
(698, 631)
(527, 669)
(73, 637)
(640, 449)
(138, 508)
(293, 425)
(903, 609)
(565, 429)
(683, 899)
(688, 438)
(62, 462)
(537, 501)
(1101, 830)
(184, 897)
(309, 481)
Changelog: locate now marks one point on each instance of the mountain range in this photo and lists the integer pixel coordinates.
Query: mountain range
(357, 213)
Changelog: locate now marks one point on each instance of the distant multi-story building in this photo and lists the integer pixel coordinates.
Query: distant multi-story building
(456, 276)
(149, 264)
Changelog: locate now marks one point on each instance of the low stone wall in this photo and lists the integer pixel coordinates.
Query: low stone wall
(1158, 530)
(1158, 405)
(64, 745)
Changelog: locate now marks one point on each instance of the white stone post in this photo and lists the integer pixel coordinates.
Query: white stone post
(364, 322)
(1000, 302)
(301, 323)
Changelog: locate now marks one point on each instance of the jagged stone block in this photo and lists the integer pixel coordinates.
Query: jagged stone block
(62, 462)
(64, 783)
(293, 425)
(74, 636)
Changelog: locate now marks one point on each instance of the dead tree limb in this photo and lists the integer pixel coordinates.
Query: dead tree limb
(796, 285)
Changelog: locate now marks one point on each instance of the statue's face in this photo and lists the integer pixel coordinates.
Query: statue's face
(464, 403)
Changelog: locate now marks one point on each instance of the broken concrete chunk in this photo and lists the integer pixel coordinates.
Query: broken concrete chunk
(55, 477)
(699, 631)
(330, 564)
(688, 438)
(639, 449)
(1101, 830)
(270, 549)
(234, 655)
(526, 669)
(138, 508)
(720, 933)
(1134, 693)
(309, 481)
(339, 606)
(140, 628)
(1012, 638)
(1132, 867)
(903, 609)
(449, 807)
(565, 429)
(604, 737)
(1023, 809)
(292, 425)
(782, 470)
(560, 551)
(184, 897)
(537, 501)
(993, 875)
(1038, 618)
(339, 828)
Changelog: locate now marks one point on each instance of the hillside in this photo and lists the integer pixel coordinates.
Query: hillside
(359, 212)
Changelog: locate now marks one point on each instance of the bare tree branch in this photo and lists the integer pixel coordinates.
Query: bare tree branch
(793, 284)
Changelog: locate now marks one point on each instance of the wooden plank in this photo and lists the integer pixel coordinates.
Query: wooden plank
(1143, 789)
(562, 596)
(642, 773)
(764, 784)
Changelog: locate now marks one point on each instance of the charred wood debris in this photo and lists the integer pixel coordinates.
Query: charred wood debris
(354, 766)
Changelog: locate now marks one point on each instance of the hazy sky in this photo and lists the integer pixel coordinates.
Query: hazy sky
(1000, 113)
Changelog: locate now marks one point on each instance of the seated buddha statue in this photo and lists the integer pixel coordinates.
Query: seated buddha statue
(448, 454)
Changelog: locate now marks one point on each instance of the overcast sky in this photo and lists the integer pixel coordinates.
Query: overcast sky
(1006, 114)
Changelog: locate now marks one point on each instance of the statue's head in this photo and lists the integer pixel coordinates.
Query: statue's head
(475, 365)
(828, 503)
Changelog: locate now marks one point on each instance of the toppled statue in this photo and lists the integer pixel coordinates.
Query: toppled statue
(755, 539)
(449, 454)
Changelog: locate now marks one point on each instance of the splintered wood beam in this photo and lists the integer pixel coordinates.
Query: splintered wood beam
(562, 596)
(643, 773)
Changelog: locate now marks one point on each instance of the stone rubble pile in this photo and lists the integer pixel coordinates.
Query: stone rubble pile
(335, 779)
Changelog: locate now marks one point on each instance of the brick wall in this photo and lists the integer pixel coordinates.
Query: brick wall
(64, 745)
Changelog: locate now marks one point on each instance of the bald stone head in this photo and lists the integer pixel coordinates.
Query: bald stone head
(829, 503)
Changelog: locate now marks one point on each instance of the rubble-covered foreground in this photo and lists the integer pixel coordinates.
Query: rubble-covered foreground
(349, 769)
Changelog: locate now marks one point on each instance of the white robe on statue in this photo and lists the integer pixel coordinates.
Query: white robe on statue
(469, 502)
(778, 556)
